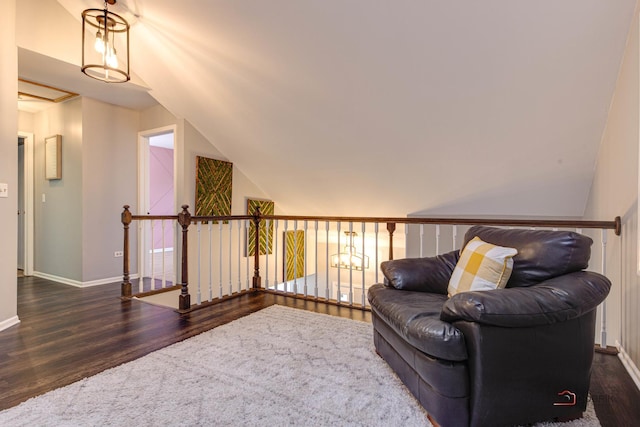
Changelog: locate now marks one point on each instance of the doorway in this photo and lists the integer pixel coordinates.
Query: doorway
(25, 247)
(157, 180)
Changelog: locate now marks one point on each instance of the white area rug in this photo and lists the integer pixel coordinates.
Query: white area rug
(279, 366)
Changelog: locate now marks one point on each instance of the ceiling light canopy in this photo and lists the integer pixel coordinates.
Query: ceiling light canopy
(105, 57)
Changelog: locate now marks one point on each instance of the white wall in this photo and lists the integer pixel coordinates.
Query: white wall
(77, 226)
(38, 20)
(189, 143)
(615, 192)
(8, 163)
(109, 176)
(197, 145)
(58, 217)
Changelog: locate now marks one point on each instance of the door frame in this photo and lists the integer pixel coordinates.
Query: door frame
(28, 195)
(143, 189)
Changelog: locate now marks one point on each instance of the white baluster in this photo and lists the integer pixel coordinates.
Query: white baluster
(230, 264)
(275, 251)
(437, 239)
(305, 257)
(266, 230)
(364, 233)
(421, 239)
(198, 297)
(350, 265)
(210, 260)
(326, 285)
(339, 294)
(315, 286)
(177, 254)
(219, 259)
(246, 236)
(406, 237)
(164, 274)
(239, 256)
(603, 318)
(153, 255)
(376, 227)
(284, 257)
(455, 236)
(295, 257)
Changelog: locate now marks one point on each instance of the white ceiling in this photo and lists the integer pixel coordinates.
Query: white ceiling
(41, 68)
(391, 108)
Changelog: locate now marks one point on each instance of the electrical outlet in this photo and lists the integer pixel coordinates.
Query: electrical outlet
(4, 190)
(117, 254)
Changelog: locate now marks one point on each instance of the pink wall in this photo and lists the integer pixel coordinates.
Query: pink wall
(161, 192)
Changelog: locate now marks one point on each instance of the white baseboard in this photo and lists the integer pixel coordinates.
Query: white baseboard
(107, 280)
(58, 279)
(629, 365)
(79, 284)
(9, 323)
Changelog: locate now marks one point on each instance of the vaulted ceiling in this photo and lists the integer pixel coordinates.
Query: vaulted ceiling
(391, 107)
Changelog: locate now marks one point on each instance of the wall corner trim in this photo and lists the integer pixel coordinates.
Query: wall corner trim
(9, 323)
(629, 365)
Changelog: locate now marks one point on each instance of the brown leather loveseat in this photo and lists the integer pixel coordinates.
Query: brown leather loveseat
(508, 356)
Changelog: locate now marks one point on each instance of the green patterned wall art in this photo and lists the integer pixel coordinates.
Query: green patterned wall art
(213, 187)
(266, 235)
(293, 254)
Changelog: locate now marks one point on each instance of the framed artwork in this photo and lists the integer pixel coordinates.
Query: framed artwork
(266, 235)
(53, 157)
(293, 254)
(213, 187)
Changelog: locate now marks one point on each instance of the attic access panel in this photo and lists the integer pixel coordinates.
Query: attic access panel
(42, 92)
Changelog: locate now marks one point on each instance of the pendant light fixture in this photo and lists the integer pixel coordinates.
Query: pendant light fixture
(106, 57)
(350, 258)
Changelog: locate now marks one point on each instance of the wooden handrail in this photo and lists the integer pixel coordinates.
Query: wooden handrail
(560, 223)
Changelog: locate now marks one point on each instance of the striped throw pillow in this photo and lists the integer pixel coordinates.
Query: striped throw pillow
(481, 267)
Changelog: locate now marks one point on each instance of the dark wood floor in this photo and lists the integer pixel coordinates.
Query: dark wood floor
(68, 333)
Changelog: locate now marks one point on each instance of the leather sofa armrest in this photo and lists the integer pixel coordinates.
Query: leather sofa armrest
(430, 274)
(554, 300)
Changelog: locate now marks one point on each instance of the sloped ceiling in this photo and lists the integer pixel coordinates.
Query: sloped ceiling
(392, 107)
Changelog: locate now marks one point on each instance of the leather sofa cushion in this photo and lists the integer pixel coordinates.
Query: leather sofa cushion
(415, 316)
(555, 300)
(420, 274)
(542, 254)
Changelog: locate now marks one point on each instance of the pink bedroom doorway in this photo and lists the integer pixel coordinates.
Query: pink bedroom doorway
(157, 168)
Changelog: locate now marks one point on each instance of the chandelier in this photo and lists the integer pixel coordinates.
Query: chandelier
(106, 57)
(350, 257)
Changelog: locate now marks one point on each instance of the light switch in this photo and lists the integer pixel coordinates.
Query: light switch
(44, 198)
(4, 190)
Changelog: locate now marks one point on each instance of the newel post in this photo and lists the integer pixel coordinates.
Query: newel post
(125, 287)
(257, 281)
(391, 227)
(184, 219)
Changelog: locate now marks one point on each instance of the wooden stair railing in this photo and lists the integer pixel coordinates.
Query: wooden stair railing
(184, 219)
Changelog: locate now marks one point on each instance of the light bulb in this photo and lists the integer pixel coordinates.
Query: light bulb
(112, 59)
(99, 44)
